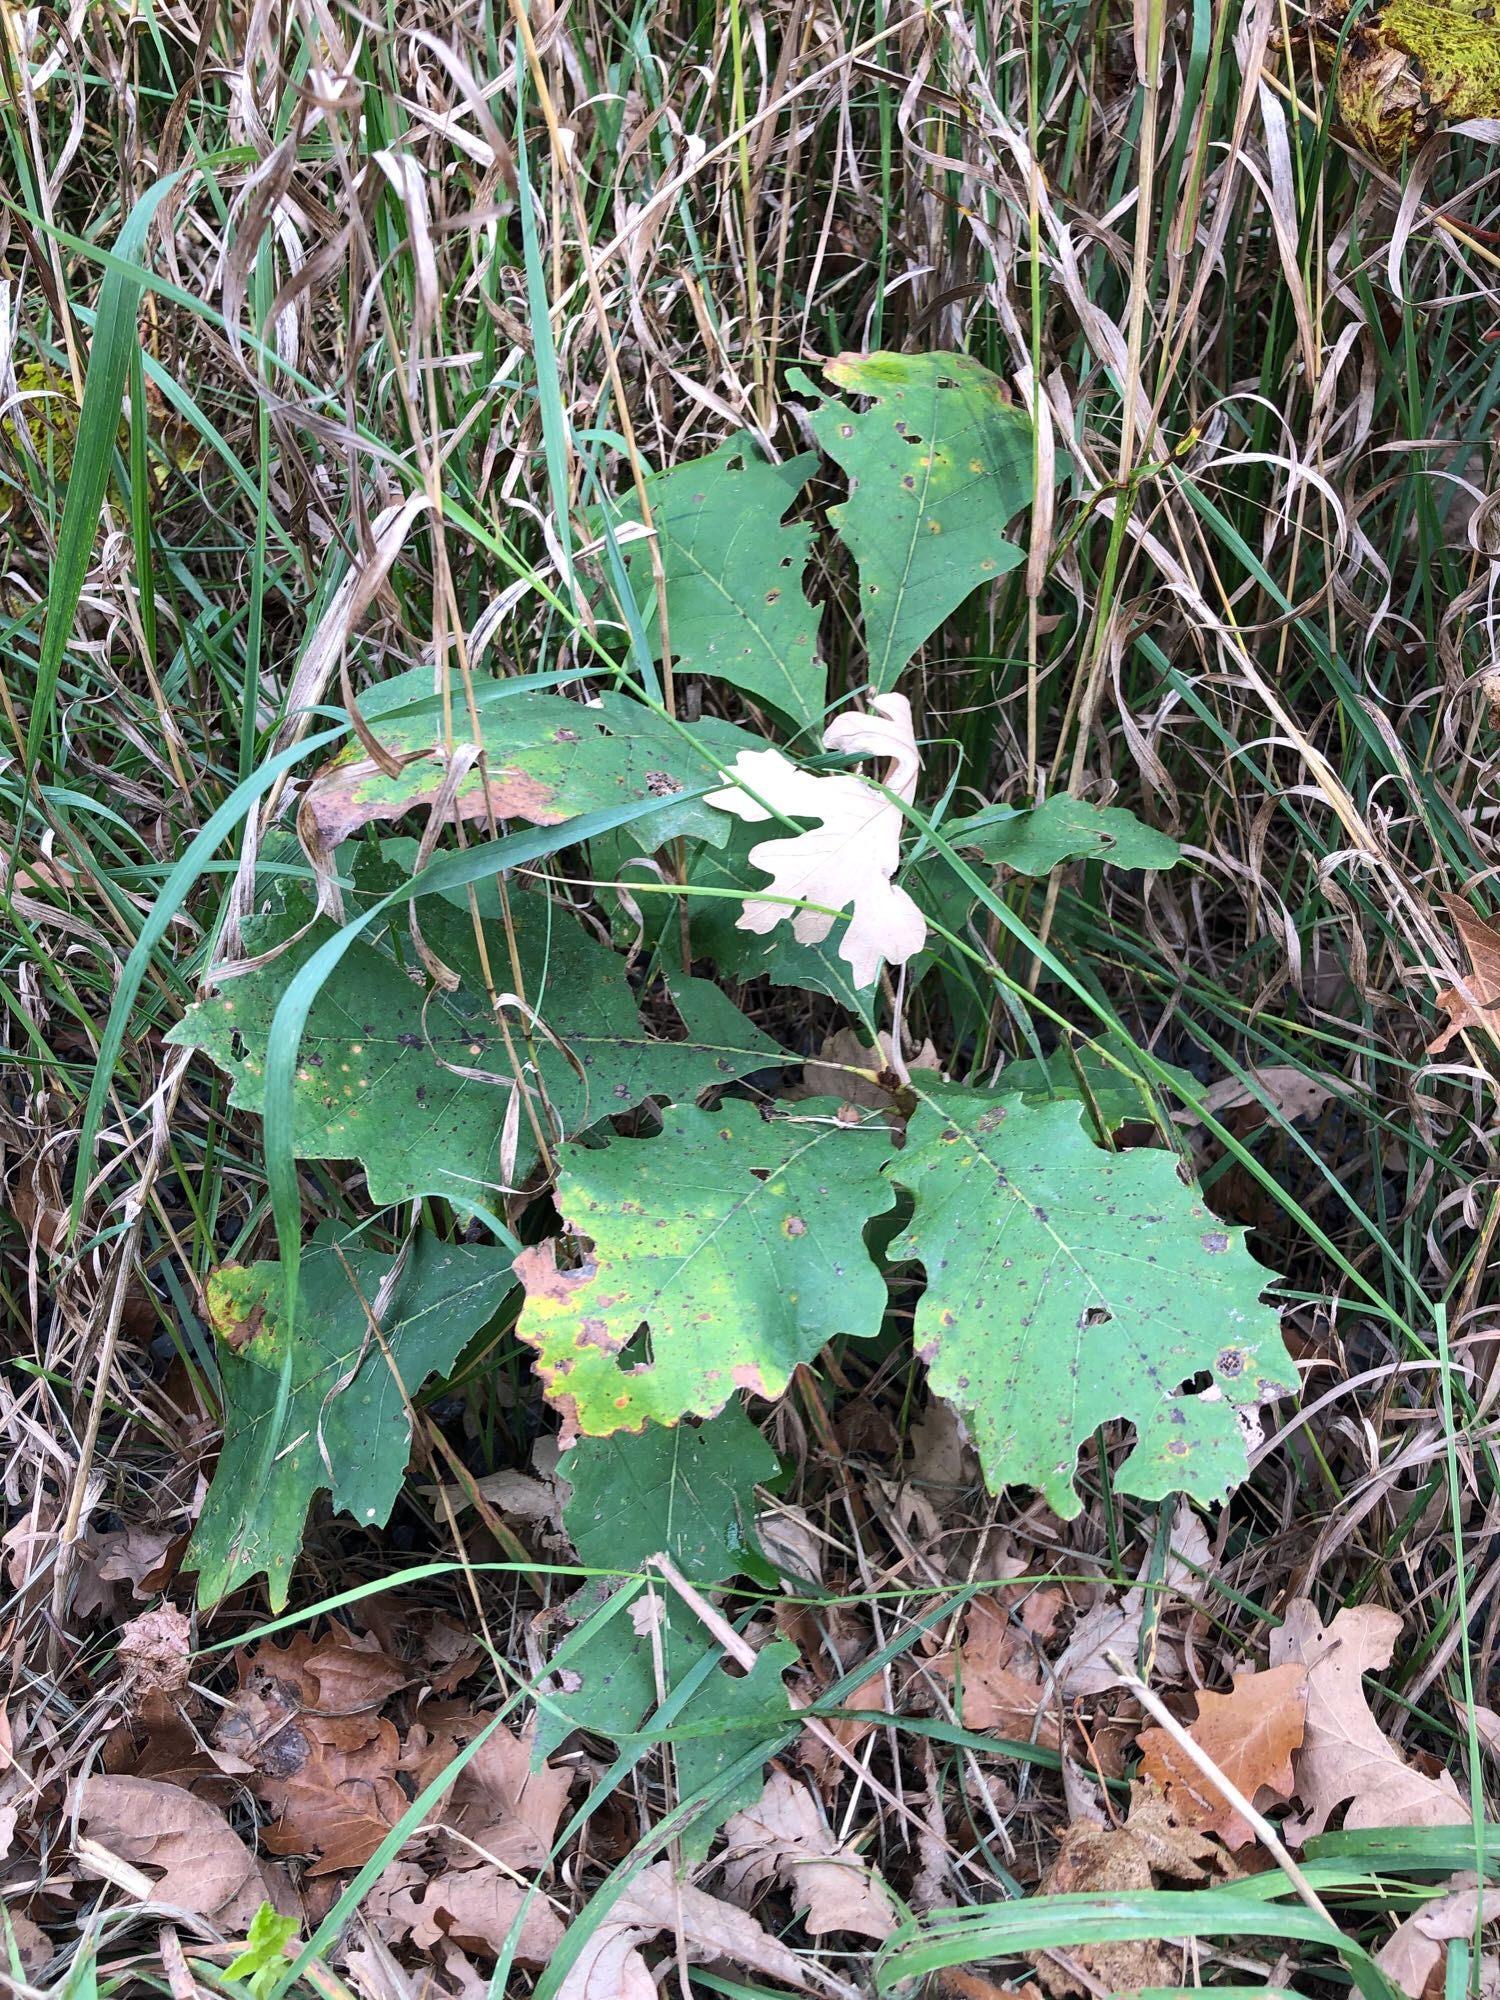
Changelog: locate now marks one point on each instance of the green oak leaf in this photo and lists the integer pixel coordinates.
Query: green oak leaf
(345, 1424)
(716, 889)
(416, 1083)
(1068, 1286)
(1118, 1097)
(547, 760)
(736, 607)
(1062, 829)
(688, 1492)
(734, 1239)
(937, 464)
(712, 1718)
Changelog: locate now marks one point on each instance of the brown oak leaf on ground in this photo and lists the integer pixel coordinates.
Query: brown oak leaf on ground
(338, 1801)
(474, 1908)
(1249, 1734)
(1113, 1625)
(153, 1655)
(319, 1755)
(817, 1755)
(336, 1674)
(785, 1837)
(997, 1669)
(1345, 1755)
(610, 1966)
(498, 1803)
(1415, 1955)
(145, 1557)
(1109, 1860)
(204, 1865)
(1482, 942)
(33, 1947)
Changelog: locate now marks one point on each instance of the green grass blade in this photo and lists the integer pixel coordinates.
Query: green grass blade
(114, 344)
(174, 892)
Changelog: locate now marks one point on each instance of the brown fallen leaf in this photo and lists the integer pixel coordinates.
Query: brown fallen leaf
(336, 1802)
(334, 1674)
(498, 1803)
(1290, 1090)
(817, 1754)
(1482, 943)
(849, 1069)
(786, 1838)
(1118, 1860)
(306, 1728)
(1114, 1624)
(1249, 1734)
(204, 1865)
(1345, 1755)
(32, 1944)
(956, 1983)
(1487, 1728)
(611, 1967)
(475, 1908)
(153, 1655)
(998, 1664)
(1415, 1955)
(943, 1457)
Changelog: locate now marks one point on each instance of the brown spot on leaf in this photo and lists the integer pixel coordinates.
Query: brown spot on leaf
(794, 1226)
(348, 796)
(1215, 1242)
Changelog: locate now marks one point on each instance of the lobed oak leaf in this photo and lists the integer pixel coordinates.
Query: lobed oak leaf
(1415, 1956)
(1113, 1625)
(786, 1838)
(848, 860)
(475, 1908)
(318, 1755)
(1249, 1734)
(504, 1806)
(1119, 1861)
(1473, 1005)
(1346, 1757)
(998, 1666)
(610, 1965)
(205, 1866)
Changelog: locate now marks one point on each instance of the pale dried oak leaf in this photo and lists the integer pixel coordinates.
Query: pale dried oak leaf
(610, 1966)
(1415, 1956)
(1113, 1625)
(785, 1836)
(499, 1804)
(850, 857)
(475, 1908)
(1345, 1755)
(998, 1666)
(204, 1865)
(1121, 1860)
